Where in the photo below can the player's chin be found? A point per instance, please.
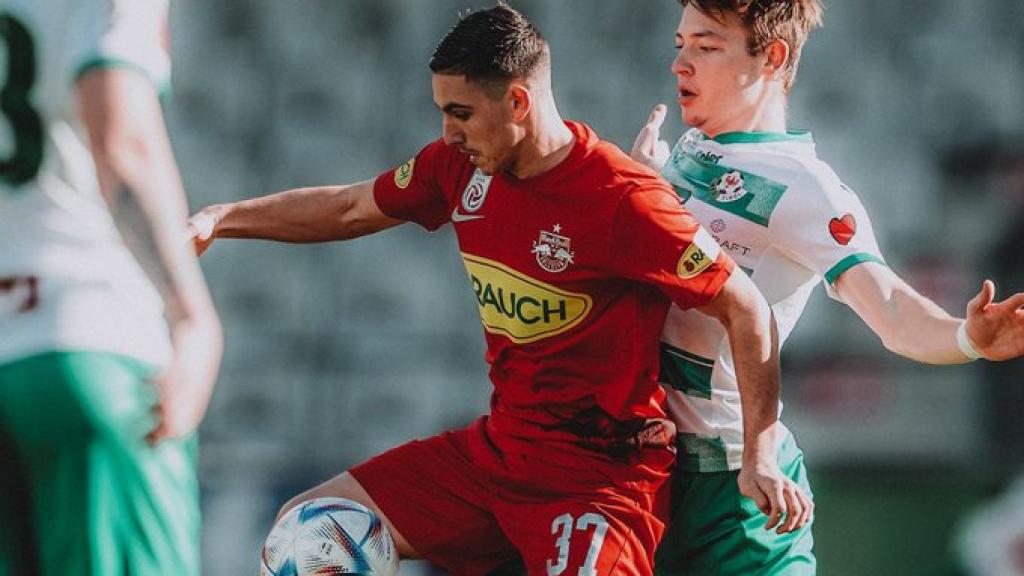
(489, 168)
(693, 118)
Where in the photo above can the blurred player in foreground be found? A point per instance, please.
(784, 216)
(574, 253)
(109, 337)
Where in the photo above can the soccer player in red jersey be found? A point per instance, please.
(574, 252)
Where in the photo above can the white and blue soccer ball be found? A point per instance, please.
(328, 537)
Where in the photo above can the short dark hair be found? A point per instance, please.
(490, 47)
(767, 21)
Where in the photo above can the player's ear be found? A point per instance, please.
(520, 101)
(776, 56)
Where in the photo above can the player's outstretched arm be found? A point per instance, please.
(753, 338)
(140, 182)
(303, 215)
(913, 326)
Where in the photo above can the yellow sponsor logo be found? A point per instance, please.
(403, 174)
(519, 307)
(693, 262)
(698, 256)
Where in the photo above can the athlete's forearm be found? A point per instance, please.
(917, 328)
(149, 221)
(754, 343)
(907, 323)
(139, 181)
(302, 215)
(149, 217)
(753, 339)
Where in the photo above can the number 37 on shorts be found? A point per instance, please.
(565, 527)
(589, 543)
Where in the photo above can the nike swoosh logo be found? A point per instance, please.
(459, 217)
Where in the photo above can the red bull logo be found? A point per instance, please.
(552, 250)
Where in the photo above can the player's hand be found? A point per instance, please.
(185, 385)
(649, 149)
(778, 497)
(996, 329)
(202, 228)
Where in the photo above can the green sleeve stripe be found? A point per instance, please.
(849, 262)
(101, 62)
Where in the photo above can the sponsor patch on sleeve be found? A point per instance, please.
(403, 174)
(698, 256)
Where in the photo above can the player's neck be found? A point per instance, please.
(547, 143)
(768, 115)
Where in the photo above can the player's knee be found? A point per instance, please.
(342, 486)
(287, 506)
(333, 533)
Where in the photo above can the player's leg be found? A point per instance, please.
(715, 530)
(433, 501)
(601, 532)
(105, 502)
(347, 487)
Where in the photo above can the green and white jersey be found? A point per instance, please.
(788, 221)
(66, 280)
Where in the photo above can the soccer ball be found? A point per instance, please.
(327, 537)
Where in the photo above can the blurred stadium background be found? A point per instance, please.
(337, 352)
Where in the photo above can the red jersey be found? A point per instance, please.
(573, 271)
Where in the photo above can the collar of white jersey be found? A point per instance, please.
(803, 136)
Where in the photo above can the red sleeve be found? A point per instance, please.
(655, 240)
(419, 190)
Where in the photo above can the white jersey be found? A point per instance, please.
(66, 280)
(787, 220)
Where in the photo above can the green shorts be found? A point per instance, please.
(714, 531)
(91, 497)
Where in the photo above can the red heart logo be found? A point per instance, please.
(843, 229)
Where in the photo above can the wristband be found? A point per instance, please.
(964, 343)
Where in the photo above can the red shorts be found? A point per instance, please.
(460, 504)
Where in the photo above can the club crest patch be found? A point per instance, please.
(476, 192)
(552, 250)
(729, 187)
(843, 229)
(403, 174)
